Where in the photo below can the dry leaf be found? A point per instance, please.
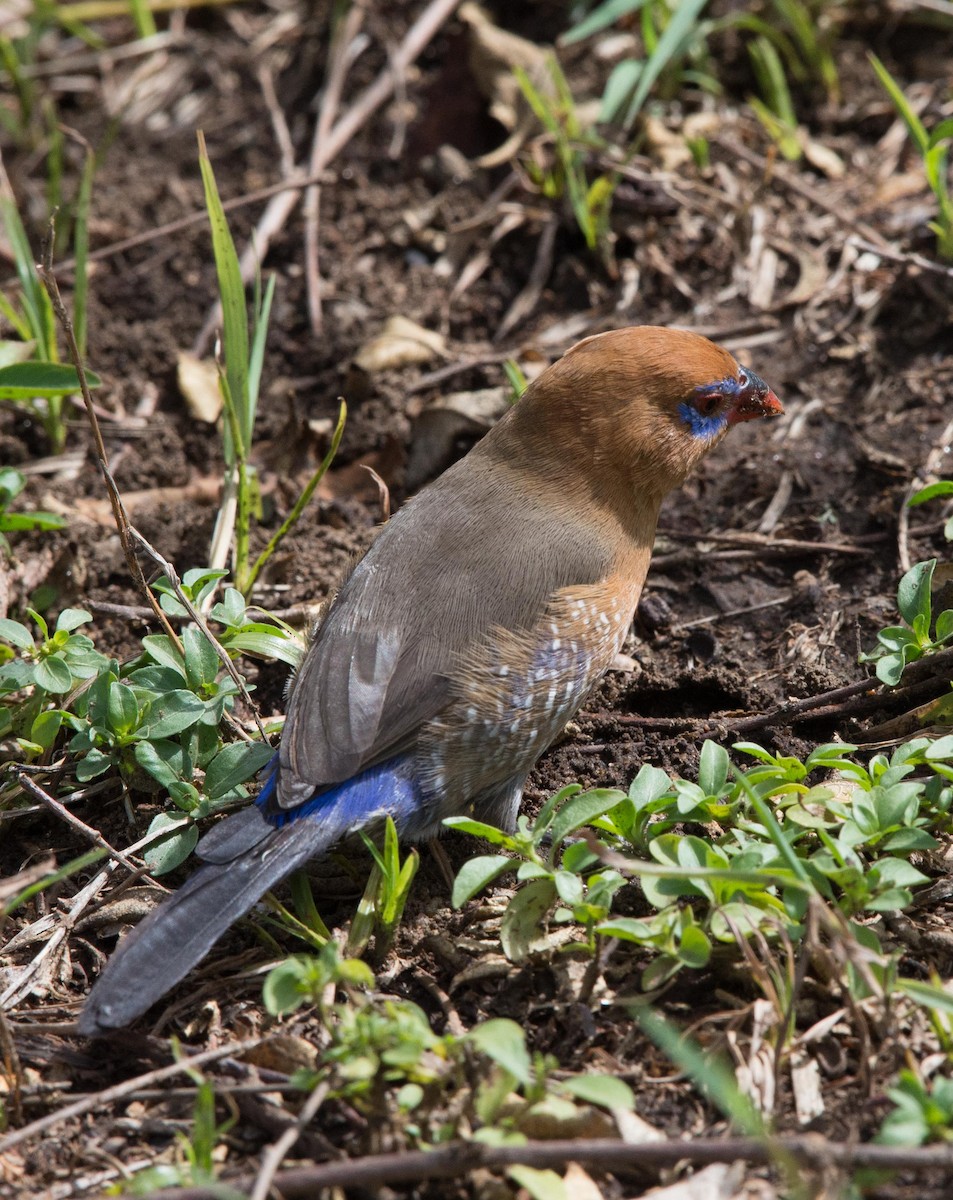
(720, 1181)
(198, 383)
(823, 158)
(580, 1184)
(400, 343)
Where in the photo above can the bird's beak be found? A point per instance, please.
(754, 402)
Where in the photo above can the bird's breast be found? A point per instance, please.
(512, 696)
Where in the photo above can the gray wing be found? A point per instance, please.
(453, 564)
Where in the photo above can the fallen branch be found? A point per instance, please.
(461, 1159)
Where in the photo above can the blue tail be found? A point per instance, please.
(244, 856)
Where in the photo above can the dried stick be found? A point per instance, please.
(460, 1159)
(91, 835)
(339, 57)
(273, 1156)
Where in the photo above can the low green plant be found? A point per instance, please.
(674, 38)
(154, 722)
(776, 110)
(923, 1111)
(197, 1147)
(921, 634)
(386, 894)
(933, 147)
(36, 670)
(943, 487)
(243, 349)
(567, 176)
(12, 483)
(782, 843)
(31, 374)
(384, 1058)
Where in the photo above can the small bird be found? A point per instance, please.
(472, 630)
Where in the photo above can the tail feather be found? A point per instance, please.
(164, 947)
(244, 856)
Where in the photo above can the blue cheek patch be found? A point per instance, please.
(702, 427)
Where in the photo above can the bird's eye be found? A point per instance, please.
(743, 379)
(709, 403)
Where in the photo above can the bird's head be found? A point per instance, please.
(640, 407)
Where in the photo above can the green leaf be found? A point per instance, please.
(913, 594)
(201, 660)
(539, 1184)
(122, 712)
(521, 927)
(71, 618)
(680, 27)
(649, 785)
(234, 313)
(16, 634)
(605, 1090)
(161, 648)
(281, 646)
(235, 764)
(93, 764)
(902, 105)
(42, 522)
(167, 854)
(283, 991)
(931, 491)
(172, 713)
(504, 1042)
(33, 380)
(477, 874)
(582, 809)
(478, 829)
(601, 17)
(694, 948)
(53, 675)
(712, 768)
(167, 762)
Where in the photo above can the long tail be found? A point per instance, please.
(244, 856)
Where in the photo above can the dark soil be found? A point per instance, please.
(856, 343)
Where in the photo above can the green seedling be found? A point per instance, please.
(943, 488)
(674, 37)
(567, 177)
(240, 381)
(923, 1111)
(31, 375)
(12, 483)
(776, 110)
(385, 896)
(933, 147)
(306, 978)
(920, 634)
(197, 1148)
(37, 671)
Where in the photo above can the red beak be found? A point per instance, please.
(755, 404)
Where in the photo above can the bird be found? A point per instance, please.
(475, 626)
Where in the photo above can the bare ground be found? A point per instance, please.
(775, 565)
